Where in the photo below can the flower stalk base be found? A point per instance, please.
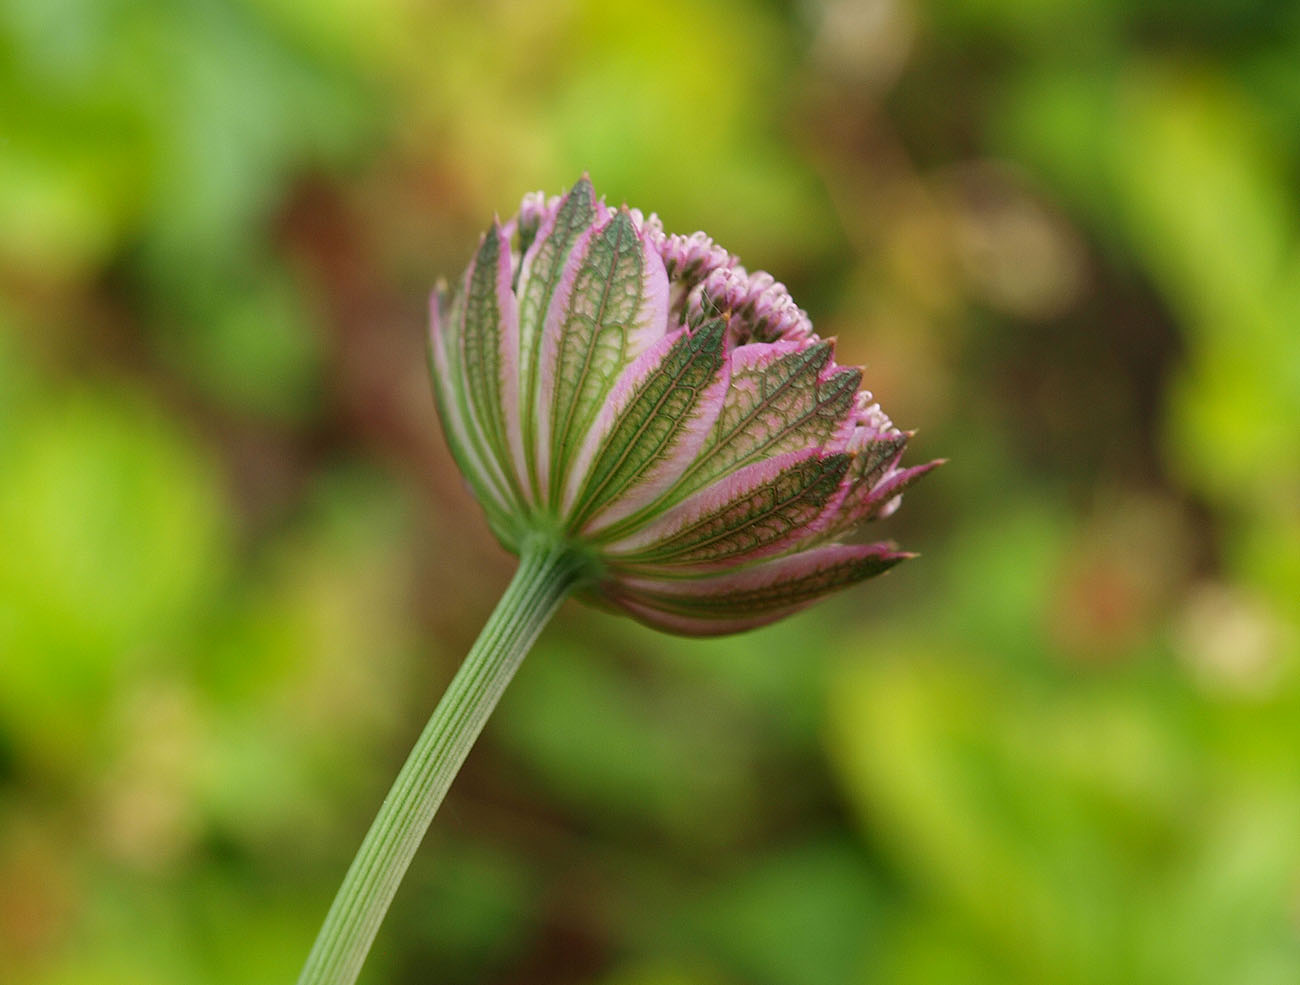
(547, 573)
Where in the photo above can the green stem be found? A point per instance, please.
(547, 573)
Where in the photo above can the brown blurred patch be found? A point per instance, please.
(1129, 563)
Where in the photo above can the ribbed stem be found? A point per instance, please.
(547, 572)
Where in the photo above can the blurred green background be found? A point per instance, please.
(237, 566)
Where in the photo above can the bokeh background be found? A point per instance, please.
(237, 566)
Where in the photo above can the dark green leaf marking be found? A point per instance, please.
(756, 519)
(546, 266)
(481, 344)
(655, 417)
(769, 410)
(593, 341)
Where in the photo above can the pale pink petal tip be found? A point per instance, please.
(536, 207)
(649, 226)
(437, 298)
(759, 307)
(692, 258)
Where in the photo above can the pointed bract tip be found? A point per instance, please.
(583, 187)
(436, 298)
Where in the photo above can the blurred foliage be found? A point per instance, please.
(237, 567)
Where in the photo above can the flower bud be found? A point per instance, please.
(671, 417)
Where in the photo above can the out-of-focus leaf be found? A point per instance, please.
(1032, 817)
(248, 339)
(621, 749)
(806, 915)
(305, 668)
(662, 973)
(114, 529)
(474, 908)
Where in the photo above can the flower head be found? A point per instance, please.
(672, 417)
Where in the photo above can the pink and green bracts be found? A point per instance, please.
(673, 419)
